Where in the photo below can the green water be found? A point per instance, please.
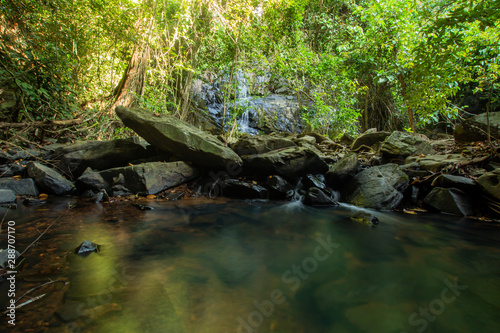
(236, 266)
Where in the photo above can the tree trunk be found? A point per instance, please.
(132, 82)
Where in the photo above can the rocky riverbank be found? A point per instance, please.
(379, 170)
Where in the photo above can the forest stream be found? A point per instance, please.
(220, 265)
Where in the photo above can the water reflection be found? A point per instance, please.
(218, 266)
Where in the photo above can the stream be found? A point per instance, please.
(218, 265)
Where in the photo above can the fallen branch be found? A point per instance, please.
(44, 123)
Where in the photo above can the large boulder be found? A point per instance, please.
(476, 128)
(101, 155)
(25, 186)
(402, 144)
(490, 183)
(378, 187)
(292, 161)
(49, 180)
(178, 137)
(449, 200)
(142, 179)
(249, 145)
(343, 171)
(369, 139)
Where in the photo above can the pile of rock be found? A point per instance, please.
(379, 170)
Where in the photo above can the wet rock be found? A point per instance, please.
(365, 218)
(142, 179)
(87, 247)
(402, 144)
(378, 187)
(490, 183)
(7, 196)
(33, 202)
(317, 197)
(235, 188)
(309, 181)
(249, 145)
(369, 139)
(279, 187)
(462, 183)
(291, 162)
(25, 186)
(143, 207)
(4, 257)
(175, 136)
(475, 128)
(436, 163)
(449, 200)
(343, 171)
(49, 180)
(102, 155)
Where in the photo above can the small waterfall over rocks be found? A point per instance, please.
(264, 111)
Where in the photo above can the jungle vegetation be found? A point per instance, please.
(390, 64)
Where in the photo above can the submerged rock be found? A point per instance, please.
(293, 161)
(449, 200)
(365, 218)
(378, 187)
(178, 137)
(142, 179)
(49, 180)
(87, 247)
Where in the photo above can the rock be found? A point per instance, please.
(142, 179)
(33, 202)
(280, 188)
(475, 128)
(249, 145)
(25, 186)
(436, 163)
(365, 218)
(4, 257)
(309, 181)
(317, 197)
(305, 139)
(102, 155)
(49, 180)
(234, 188)
(5, 157)
(449, 200)
(378, 187)
(12, 169)
(143, 207)
(346, 139)
(178, 137)
(490, 183)
(343, 171)
(87, 247)
(26, 154)
(462, 183)
(402, 144)
(369, 139)
(7, 196)
(291, 161)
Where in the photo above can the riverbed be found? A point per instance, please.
(219, 265)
